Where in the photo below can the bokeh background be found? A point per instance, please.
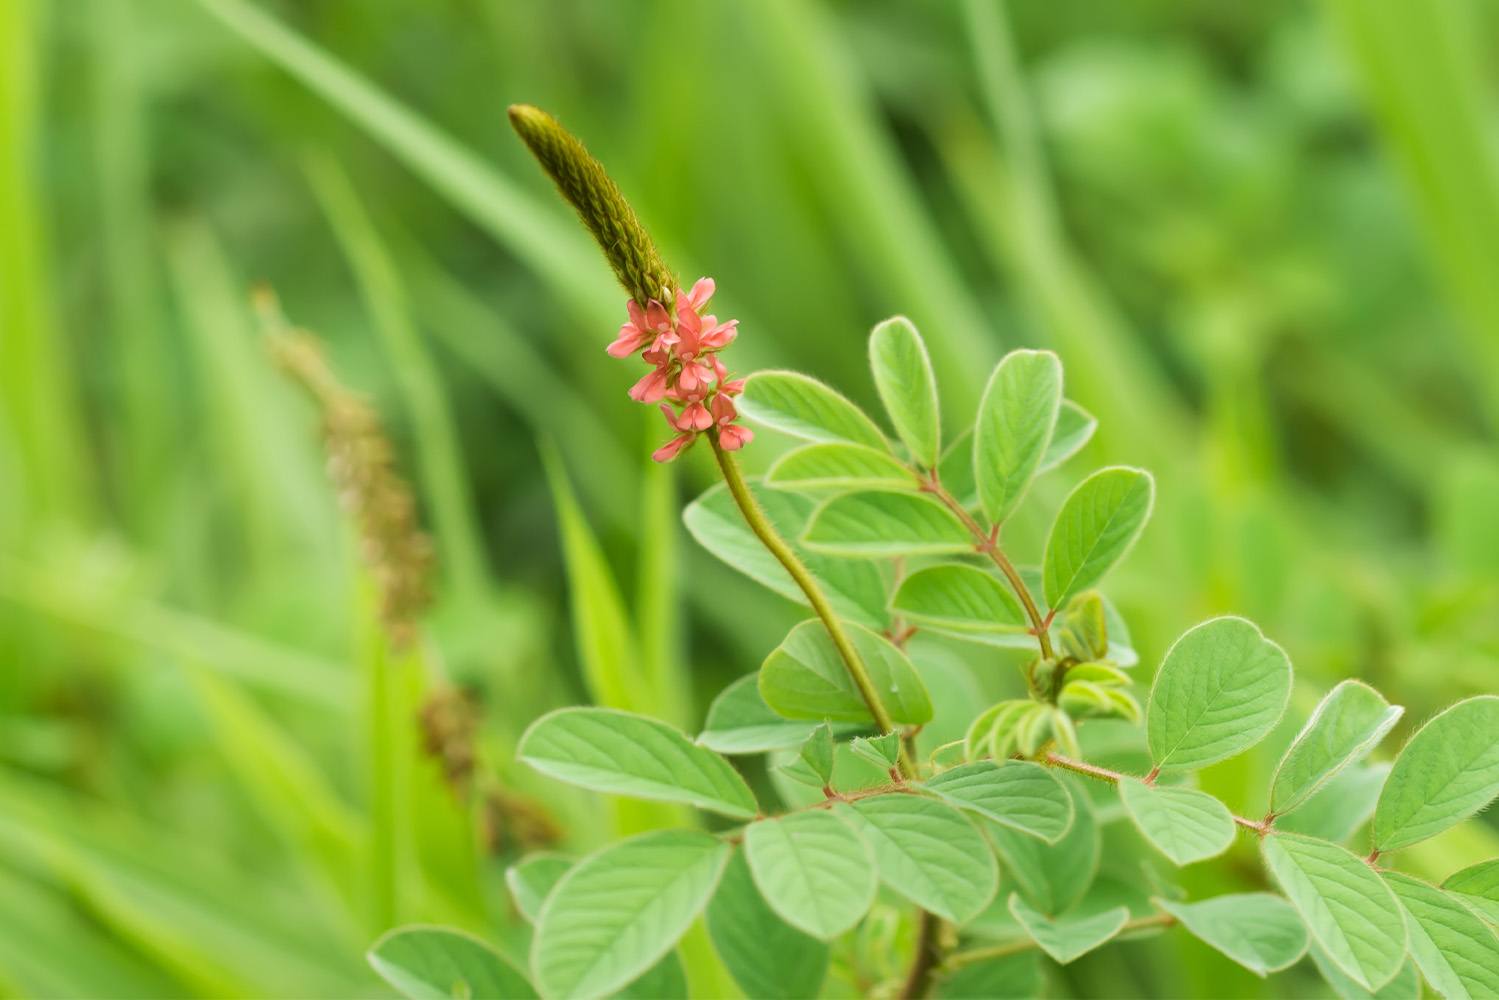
(1263, 238)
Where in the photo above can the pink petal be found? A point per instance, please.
(724, 410)
(733, 387)
(657, 318)
(628, 342)
(650, 388)
(702, 291)
(672, 448)
(637, 314)
(695, 417)
(734, 437)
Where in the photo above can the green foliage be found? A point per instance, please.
(817, 752)
(1454, 949)
(804, 678)
(1346, 726)
(1260, 931)
(739, 722)
(623, 754)
(1067, 939)
(885, 524)
(1447, 772)
(803, 407)
(1478, 886)
(908, 388)
(1015, 794)
(813, 869)
(435, 963)
(960, 598)
(1016, 418)
(1184, 824)
(928, 852)
(766, 956)
(1094, 529)
(838, 468)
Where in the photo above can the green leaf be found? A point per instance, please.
(1455, 950)
(623, 754)
(1096, 526)
(817, 752)
(766, 956)
(438, 963)
(1052, 877)
(1067, 939)
(1339, 807)
(1406, 984)
(813, 869)
(903, 376)
(805, 678)
(881, 751)
(1017, 794)
(1184, 824)
(666, 980)
(1074, 429)
(1015, 421)
(839, 468)
(885, 524)
(1446, 773)
(958, 597)
(621, 909)
(1221, 688)
(1083, 630)
(855, 588)
(1009, 977)
(1478, 886)
(739, 722)
(533, 878)
(1349, 910)
(1258, 930)
(803, 407)
(1346, 726)
(928, 852)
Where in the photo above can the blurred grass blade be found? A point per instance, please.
(443, 472)
(658, 600)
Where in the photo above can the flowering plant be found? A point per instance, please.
(923, 842)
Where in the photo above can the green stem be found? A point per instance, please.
(1018, 945)
(776, 545)
(1114, 777)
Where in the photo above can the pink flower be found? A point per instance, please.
(672, 448)
(734, 437)
(702, 291)
(652, 387)
(645, 325)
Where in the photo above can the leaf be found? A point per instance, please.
(817, 752)
(1221, 688)
(437, 963)
(766, 956)
(805, 678)
(1069, 938)
(1346, 726)
(854, 587)
(739, 722)
(1018, 794)
(885, 524)
(1406, 985)
(928, 852)
(1052, 877)
(533, 878)
(958, 597)
(1258, 930)
(1074, 429)
(839, 468)
(611, 751)
(621, 909)
(1447, 772)
(1349, 910)
(1478, 886)
(1016, 417)
(881, 751)
(803, 407)
(666, 980)
(1339, 807)
(1455, 950)
(1096, 526)
(1009, 977)
(1184, 824)
(903, 376)
(813, 869)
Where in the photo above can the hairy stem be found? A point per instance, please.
(1018, 945)
(988, 543)
(926, 960)
(1114, 777)
(776, 545)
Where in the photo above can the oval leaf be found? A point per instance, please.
(805, 678)
(533, 879)
(437, 963)
(1258, 930)
(803, 407)
(1406, 985)
(1075, 427)
(839, 468)
(1478, 886)
(1349, 910)
(1017, 794)
(813, 869)
(1067, 939)
(1016, 417)
(766, 956)
(886, 524)
(624, 754)
(1346, 726)
(1221, 688)
(1455, 950)
(854, 587)
(903, 376)
(739, 722)
(958, 597)
(1184, 824)
(1340, 807)
(1446, 773)
(1096, 526)
(928, 852)
(1052, 877)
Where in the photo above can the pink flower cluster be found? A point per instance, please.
(686, 377)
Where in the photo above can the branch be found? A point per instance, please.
(1014, 947)
(1114, 777)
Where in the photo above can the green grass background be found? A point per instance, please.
(1262, 237)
